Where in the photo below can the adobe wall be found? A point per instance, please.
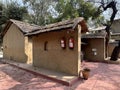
(95, 49)
(14, 45)
(56, 58)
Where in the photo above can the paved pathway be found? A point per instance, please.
(102, 77)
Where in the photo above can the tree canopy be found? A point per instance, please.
(40, 13)
(11, 10)
(15, 11)
(38, 10)
(75, 8)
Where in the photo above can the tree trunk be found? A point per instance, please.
(115, 53)
(106, 47)
(107, 39)
(111, 5)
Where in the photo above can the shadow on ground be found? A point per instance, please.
(102, 77)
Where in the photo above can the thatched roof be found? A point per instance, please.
(63, 25)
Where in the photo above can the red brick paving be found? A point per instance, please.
(102, 77)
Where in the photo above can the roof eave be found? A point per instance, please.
(32, 34)
(7, 26)
(76, 22)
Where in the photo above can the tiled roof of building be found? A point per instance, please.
(29, 29)
(25, 27)
(61, 26)
(94, 35)
(97, 29)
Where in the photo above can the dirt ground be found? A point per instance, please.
(102, 77)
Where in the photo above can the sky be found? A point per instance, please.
(108, 12)
(7, 1)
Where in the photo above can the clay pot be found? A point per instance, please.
(85, 73)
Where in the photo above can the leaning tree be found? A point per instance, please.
(103, 6)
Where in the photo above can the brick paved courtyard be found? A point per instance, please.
(102, 77)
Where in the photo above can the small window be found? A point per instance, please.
(46, 46)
